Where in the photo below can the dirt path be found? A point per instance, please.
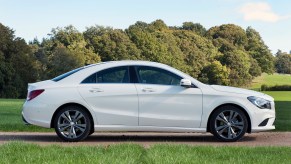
(148, 139)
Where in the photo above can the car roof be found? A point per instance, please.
(129, 62)
(92, 68)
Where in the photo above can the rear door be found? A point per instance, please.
(112, 97)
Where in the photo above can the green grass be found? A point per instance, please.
(10, 117)
(270, 80)
(19, 152)
(283, 109)
(282, 98)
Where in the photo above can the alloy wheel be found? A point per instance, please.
(72, 124)
(229, 124)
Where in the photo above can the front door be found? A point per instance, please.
(164, 103)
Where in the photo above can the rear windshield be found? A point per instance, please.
(58, 78)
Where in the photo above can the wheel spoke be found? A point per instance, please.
(230, 116)
(221, 117)
(78, 116)
(82, 127)
(233, 134)
(63, 127)
(220, 127)
(234, 116)
(229, 134)
(222, 130)
(72, 133)
(238, 125)
(68, 115)
(65, 117)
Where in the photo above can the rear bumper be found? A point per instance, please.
(36, 114)
(24, 121)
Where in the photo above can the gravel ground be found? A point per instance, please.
(148, 139)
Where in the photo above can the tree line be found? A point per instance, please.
(225, 54)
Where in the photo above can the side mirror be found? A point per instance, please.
(185, 83)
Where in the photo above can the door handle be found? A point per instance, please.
(95, 90)
(148, 90)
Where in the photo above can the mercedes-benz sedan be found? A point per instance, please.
(143, 96)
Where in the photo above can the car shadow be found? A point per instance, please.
(122, 137)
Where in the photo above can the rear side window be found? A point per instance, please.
(58, 78)
(111, 75)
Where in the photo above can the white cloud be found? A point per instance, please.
(260, 11)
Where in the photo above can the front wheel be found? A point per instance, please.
(72, 124)
(228, 123)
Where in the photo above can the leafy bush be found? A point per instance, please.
(265, 87)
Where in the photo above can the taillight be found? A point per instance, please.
(33, 94)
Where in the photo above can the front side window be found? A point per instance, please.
(152, 75)
(111, 75)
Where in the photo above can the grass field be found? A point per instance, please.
(283, 109)
(10, 114)
(10, 117)
(282, 98)
(270, 80)
(18, 152)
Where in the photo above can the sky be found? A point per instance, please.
(36, 18)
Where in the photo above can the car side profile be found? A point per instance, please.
(143, 96)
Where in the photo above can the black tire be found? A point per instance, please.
(72, 124)
(228, 123)
(91, 132)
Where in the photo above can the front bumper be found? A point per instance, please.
(269, 126)
(263, 119)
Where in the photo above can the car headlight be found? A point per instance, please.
(260, 102)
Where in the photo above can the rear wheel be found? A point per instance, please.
(91, 132)
(228, 123)
(72, 124)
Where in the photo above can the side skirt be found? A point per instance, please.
(146, 129)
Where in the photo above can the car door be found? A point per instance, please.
(163, 102)
(111, 96)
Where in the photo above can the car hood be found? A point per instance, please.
(241, 91)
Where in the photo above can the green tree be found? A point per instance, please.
(283, 62)
(156, 43)
(239, 63)
(225, 54)
(57, 65)
(216, 73)
(259, 51)
(195, 27)
(234, 34)
(255, 69)
(111, 44)
(65, 49)
(74, 41)
(17, 65)
(198, 51)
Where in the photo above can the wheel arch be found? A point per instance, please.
(72, 104)
(249, 129)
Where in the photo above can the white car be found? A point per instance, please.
(143, 96)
